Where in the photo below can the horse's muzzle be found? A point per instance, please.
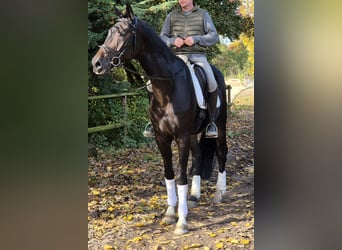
(98, 68)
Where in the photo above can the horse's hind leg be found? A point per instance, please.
(196, 179)
(221, 153)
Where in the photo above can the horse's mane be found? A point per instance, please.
(156, 41)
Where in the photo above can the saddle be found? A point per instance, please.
(200, 85)
(201, 91)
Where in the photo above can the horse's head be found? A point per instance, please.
(119, 45)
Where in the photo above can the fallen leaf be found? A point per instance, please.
(129, 217)
(244, 241)
(96, 192)
(233, 241)
(211, 234)
(219, 245)
(136, 239)
(108, 247)
(140, 224)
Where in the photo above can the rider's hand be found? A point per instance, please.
(179, 42)
(189, 41)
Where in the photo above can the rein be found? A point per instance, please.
(154, 77)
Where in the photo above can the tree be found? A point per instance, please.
(246, 10)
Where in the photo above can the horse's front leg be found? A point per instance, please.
(182, 184)
(164, 146)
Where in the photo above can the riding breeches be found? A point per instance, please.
(201, 60)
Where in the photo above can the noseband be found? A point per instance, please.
(115, 60)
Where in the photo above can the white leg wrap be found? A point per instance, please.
(182, 205)
(221, 182)
(171, 192)
(196, 186)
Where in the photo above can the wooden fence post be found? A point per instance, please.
(229, 87)
(124, 105)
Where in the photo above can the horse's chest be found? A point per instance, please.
(166, 118)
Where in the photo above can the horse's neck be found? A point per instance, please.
(156, 65)
(154, 57)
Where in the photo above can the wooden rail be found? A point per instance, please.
(123, 123)
(126, 123)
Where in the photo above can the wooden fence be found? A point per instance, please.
(125, 122)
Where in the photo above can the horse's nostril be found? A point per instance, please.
(97, 64)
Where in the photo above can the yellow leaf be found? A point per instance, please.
(140, 224)
(130, 172)
(110, 209)
(233, 241)
(107, 247)
(211, 234)
(206, 248)
(162, 223)
(136, 239)
(219, 245)
(244, 241)
(196, 245)
(248, 224)
(233, 223)
(129, 217)
(96, 192)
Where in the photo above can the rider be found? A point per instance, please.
(188, 31)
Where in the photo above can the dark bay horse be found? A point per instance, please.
(173, 110)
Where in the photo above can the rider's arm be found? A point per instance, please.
(211, 37)
(165, 32)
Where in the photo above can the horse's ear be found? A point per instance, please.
(129, 12)
(118, 12)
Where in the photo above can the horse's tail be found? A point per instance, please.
(208, 148)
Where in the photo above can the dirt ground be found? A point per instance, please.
(127, 198)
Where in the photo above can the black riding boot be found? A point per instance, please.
(211, 130)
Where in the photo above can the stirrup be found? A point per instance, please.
(211, 134)
(149, 131)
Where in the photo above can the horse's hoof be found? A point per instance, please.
(192, 202)
(218, 197)
(168, 219)
(181, 228)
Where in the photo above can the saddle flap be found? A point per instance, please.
(198, 89)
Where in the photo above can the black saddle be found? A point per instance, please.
(202, 79)
(202, 118)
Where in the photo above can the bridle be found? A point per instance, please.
(115, 56)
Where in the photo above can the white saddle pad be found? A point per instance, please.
(198, 91)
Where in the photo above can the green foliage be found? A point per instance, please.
(232, 61)
(223, 14)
